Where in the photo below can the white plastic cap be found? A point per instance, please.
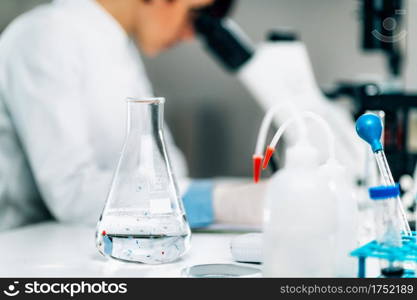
(332, 168)
(302, 154)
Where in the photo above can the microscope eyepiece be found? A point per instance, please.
(223, 38)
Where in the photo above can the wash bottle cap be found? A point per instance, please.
(302, 154)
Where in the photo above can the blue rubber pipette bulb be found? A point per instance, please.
(369, 128)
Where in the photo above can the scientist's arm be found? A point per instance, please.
(48, 111)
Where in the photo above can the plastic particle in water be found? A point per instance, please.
(163, 252)
(103, 232)
(108, 245)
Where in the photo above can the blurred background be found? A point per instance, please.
(213, 118)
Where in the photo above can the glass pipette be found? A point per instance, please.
(369, 128)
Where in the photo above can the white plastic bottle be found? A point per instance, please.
(300, 219)
(347, 217)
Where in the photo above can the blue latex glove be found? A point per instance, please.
(198, 203)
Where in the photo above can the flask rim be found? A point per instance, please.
(146, 100)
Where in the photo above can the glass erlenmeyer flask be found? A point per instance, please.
(143, 219)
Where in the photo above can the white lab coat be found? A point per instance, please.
(65, 70)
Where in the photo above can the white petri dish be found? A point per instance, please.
(221, 271)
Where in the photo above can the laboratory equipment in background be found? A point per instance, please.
(383, 30)
(278, 71)
(143, 219)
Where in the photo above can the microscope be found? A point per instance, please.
(382, 30)
(254, 67)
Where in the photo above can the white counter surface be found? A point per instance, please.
(61, 250)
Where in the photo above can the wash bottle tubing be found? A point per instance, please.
(258, 157)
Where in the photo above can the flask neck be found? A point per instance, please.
(145, 116)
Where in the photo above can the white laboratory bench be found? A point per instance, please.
(60, 250)
(53, 249)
